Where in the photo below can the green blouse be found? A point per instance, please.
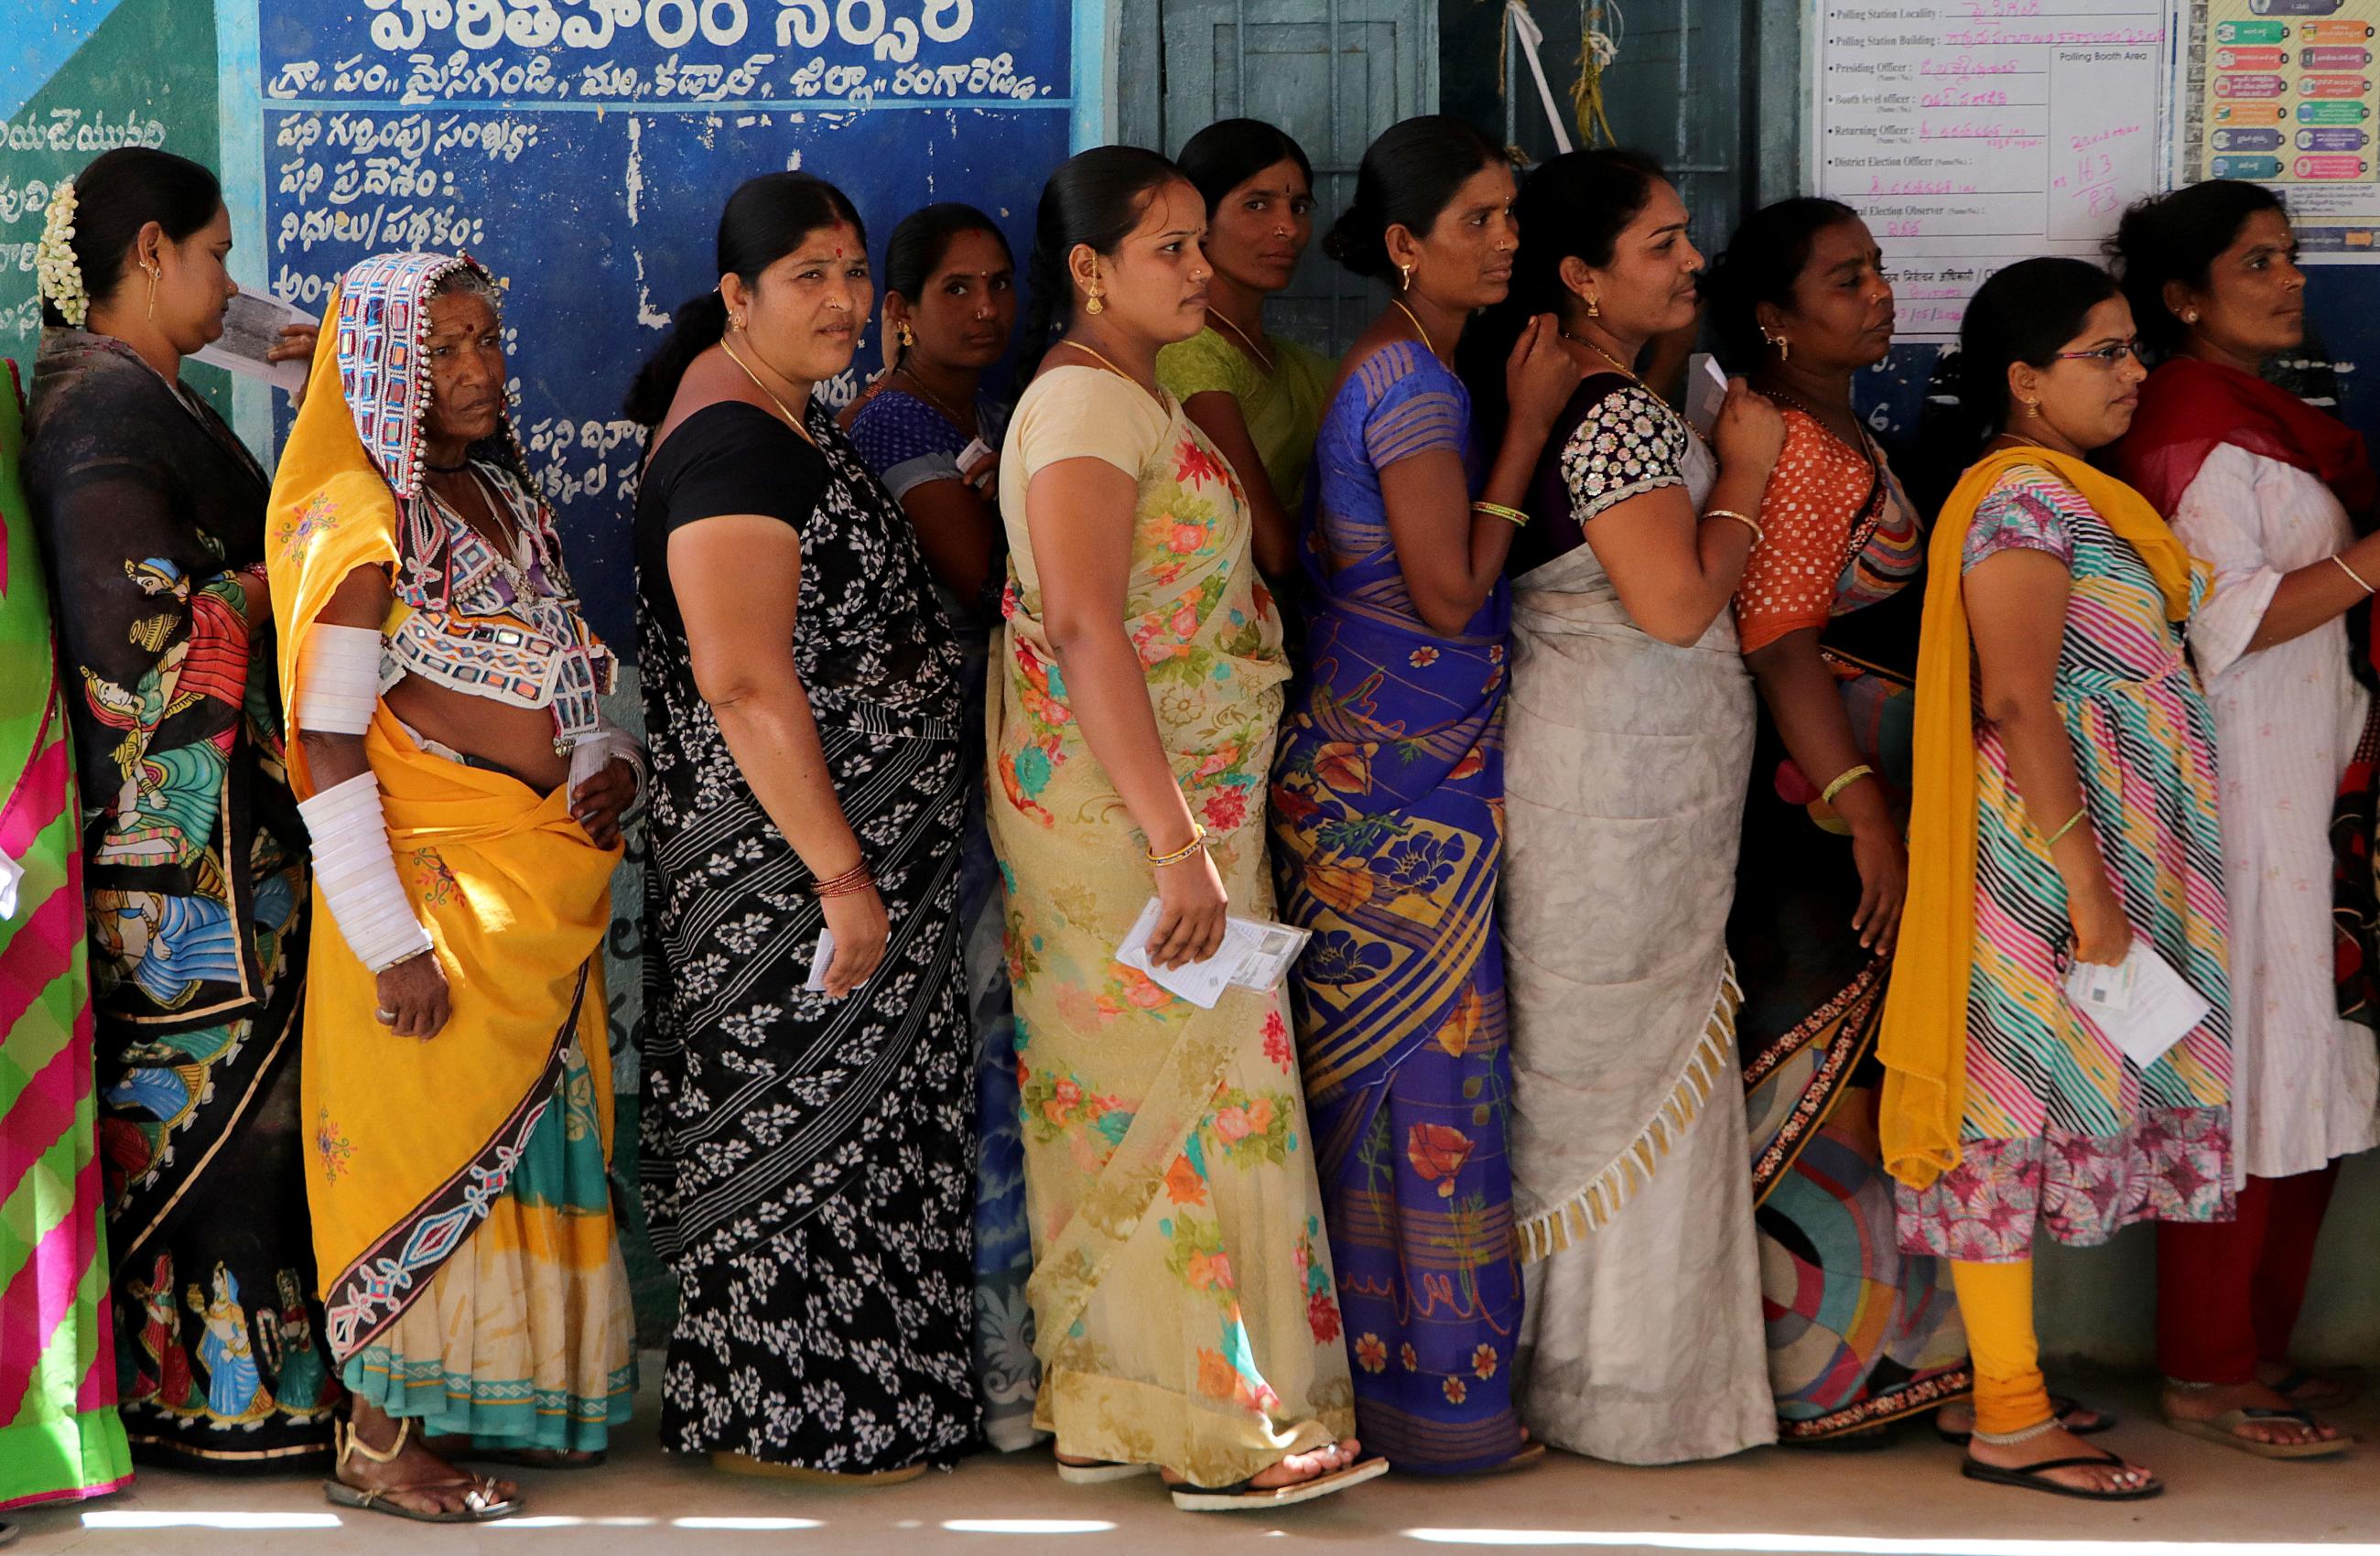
(1282, 409)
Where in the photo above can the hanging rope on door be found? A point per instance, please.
(1597, 49)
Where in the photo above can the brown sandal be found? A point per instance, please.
(375, 1499)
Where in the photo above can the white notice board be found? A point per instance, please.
(1974, 133)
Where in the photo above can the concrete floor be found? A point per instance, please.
(1907, 1497)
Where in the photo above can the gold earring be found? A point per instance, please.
(2032, 408)
(150, 266)
(1594, 309)
(1097, 301)
(906, 338)
(2189, 316)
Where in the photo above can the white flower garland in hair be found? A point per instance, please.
(56, 272)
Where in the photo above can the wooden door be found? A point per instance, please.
(1334, 73)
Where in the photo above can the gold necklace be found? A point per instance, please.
(1113, 368)
(1419, 328)
(933, 399)
(1255, 350)
(1621, 367)
(791, 420)
(1798, 403)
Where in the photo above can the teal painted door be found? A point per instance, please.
(1334, 73)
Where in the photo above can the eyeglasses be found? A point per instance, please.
(2107, 355)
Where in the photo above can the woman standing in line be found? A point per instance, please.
(1859, 1333)
(2063, 807)
(1388, 805)
(1184, 1310)
(808, 1151)
(2270, 491)
(1631, 725)
(1258, 397)
(62, 1440)
(464, 829)
(950, 304)
(152, 517)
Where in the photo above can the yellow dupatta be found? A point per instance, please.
(1923, 1041)
(409, 1142)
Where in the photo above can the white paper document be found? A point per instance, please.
(1706, 392)
(252, 326)
(820, 962)
(2140, 1004)
(1255, 955)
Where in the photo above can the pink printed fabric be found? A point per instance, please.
(2172, 1165)
(2060, 1128)
(60, 1437)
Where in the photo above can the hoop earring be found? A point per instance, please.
(150, 266)
(906, 338)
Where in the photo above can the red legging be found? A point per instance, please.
(2228, 1292)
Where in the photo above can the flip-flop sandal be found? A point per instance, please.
(2035, 1477)
(2060, 1405)
(1244, 1496)
(1101, 1472)
(1530, 1453)
(2225, 1430)
(341, 1494)
(2345, 1384)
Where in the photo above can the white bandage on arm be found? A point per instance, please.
(338, 679)
(357, 874)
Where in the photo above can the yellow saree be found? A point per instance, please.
(420, 1151)
(1184, 1308)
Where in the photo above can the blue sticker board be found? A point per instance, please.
(582, 150)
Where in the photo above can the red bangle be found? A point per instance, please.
(856, 878)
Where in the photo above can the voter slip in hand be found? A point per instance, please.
(252, 326)
(2141, 1004)
(1255, 955)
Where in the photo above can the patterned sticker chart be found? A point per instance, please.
(2290, 90)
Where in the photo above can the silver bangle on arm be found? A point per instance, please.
(357, 874)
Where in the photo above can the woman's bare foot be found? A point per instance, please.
(1295, 1468)
(414, 1478)
(2059, 1444)
(1325, 1461)
(2205, 1405)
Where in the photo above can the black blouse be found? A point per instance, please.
(872, 648)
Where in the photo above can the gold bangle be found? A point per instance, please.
(1749, 522)
(1198, 843)
(1510, 515)
(2072, 822)
(2351, 572)
(1844, 780)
